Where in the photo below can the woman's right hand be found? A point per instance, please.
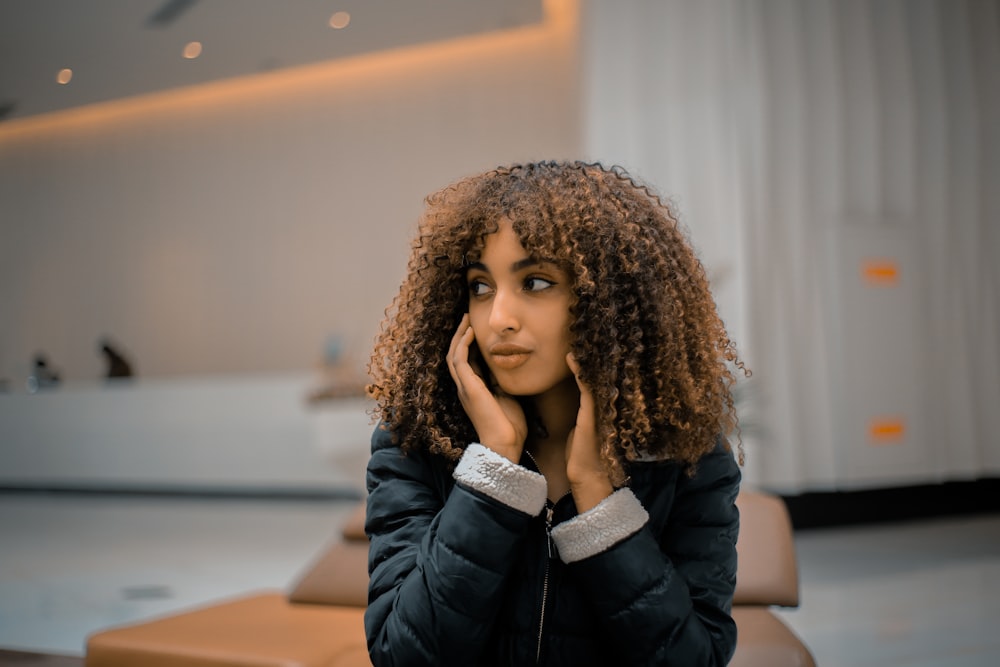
(497, 417)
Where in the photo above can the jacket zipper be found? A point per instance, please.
(545, 580)
(552, 554)
(550, 509)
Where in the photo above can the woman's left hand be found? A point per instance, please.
(588, 478)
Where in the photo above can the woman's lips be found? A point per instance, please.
(508, 356)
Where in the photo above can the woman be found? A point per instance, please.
(551, 481)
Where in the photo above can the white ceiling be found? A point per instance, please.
(117, 49)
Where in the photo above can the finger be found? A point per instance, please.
(585, 417)
(583, 451)
(466, 378)
(458, 351)
(574, 366)
(485, 374)
(456, 339)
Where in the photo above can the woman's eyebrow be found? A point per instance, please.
(519, 265)
(522, 264)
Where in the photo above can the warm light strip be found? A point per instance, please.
(559, 18)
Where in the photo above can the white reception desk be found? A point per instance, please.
(246, 434)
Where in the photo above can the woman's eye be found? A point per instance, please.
(537, 284)
(478, 288)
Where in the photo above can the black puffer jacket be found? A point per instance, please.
(461, 577)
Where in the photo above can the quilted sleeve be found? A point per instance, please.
(439, 558)
(666, 598)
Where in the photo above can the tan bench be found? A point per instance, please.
(319, 623)
(767, 576)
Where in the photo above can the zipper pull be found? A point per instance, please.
(553, 553)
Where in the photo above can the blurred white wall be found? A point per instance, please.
(838, 165)
(233, 227)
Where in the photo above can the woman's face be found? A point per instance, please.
(519, 310)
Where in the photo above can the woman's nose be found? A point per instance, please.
(503, 313)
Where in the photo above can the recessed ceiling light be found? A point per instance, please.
(64, 76)
(340, 20)
(192, 50)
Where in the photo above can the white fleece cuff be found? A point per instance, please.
(497, 477)
(616, 517)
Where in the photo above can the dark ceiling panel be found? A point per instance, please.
(114, 52)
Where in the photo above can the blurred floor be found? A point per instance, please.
(70, 565)
(918, 593)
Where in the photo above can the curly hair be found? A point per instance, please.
(645, 329)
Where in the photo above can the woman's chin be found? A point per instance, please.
(514, 386)
(521, 387)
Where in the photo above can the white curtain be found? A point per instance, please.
(791, 134)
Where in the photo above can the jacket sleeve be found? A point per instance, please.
(438, 560)
(663, 598)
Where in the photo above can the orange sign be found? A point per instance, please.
(886, 430)
(880, 272)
